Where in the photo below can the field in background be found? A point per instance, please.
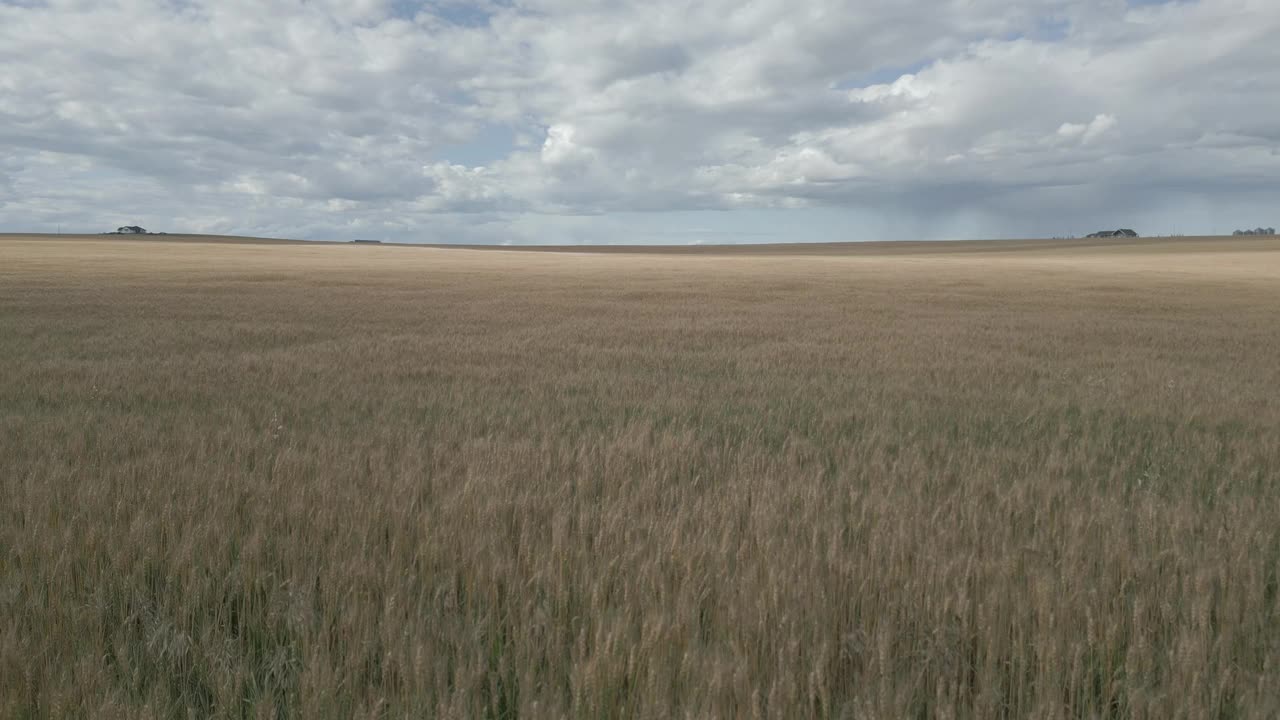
(968, 481)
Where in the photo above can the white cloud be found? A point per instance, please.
(310, 118)
(1087, 132)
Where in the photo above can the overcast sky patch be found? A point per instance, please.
(558, 121)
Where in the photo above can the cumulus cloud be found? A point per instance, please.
(543, 119)
(1087, 132)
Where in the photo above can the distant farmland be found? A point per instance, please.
(932, 480)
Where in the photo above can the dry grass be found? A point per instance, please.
(331, 481)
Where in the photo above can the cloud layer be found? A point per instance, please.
(581, 121)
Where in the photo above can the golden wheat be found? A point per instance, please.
(957, 481)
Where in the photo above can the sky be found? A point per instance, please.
(664, 121)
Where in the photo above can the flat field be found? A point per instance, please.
(885, 481)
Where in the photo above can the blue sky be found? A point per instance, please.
(575, 121)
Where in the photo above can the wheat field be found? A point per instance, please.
(1026, 480)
